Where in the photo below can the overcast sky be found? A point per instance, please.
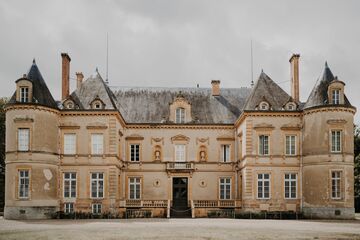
(182, 43)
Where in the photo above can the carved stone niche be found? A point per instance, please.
(157, 154)
(202, 154)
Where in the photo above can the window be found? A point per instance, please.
(96, 208)
(336, 141)
(24, 94)
(23, 139)
(97, 143)
(97, 185)
(225, 188)
(24, 183)
(336, 184)
(180, 115)
(70, 105)
(69, 185)
(179, 153)
(263, 145)
(336, 96)
(290, 145)
(263, 186)
(70, 143)
(290, 185)
(97, 106)
(134, 188)
(69, 208)
(225, 153)
(264, 106)
(135, 152)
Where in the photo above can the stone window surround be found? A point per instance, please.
(17, 192)
(128, 186)
(231, 187)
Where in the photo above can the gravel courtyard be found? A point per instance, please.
(179, 229)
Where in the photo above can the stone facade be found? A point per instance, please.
(270, 152)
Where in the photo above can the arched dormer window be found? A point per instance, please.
(180, 115)
(263, 106)
(97, 104)
(290, 106)
(69, 104)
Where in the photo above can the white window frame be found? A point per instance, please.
(24, 94)
(180, 115)
(336, 141)
(225, 188)
(97, 184)
(261, 188)
(336, 177)
(96, 208)
(335, 96)
(180, 152)
(97, 143)
(134, 188)
(135, 157)
(68, 207)
(290, 145)
(290, 183)
(24, 184)
(69, 184)
(225, 153)
(70, 143)
(23, 139)
(264, 145)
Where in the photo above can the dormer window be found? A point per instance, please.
(290, 106)
(180, 115)
(336, 96)
(24, 94)
(264, 106)
(97, 103)
(97, 106)
(70, 105)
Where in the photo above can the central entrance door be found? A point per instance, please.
(180, 198)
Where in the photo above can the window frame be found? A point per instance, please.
(68, 207)
(71, 179)
(261, 145)
(180, 115)
(225, 153)
(97, 207)
(289, 153)
(99, 187)
(131, 145)
(136, 182)
(97, 152)
(292, 184)
(338, 187)
(65, 135)
(24, 95)
(19, 140)
(335, 95)
(27, 184)
(225, 193)
(336, 147)
(263, 180)
(176, 150)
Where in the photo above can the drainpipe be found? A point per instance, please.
(301, 164)
(236, 159)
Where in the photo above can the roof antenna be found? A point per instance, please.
(252, 68)
(107, 59)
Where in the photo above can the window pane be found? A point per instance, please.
(69, 143)
(23, 139)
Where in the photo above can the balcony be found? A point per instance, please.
(180, 166)
(216, 203)
(146, 203)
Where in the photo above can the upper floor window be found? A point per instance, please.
(180, 152)
(69, 143)
(225, 188)
(225, 153)
(336, 141)
(336, 184)
(97, 143)
(134, 188)
(135, 152)
(97, 185)
(24, 183)
(69, 185)
(263, 186)
(290, 145)
(263, 145)
(23, 139)
(264, 106)
(24, 94)
(180, 115)
(336, 96)
(290, 185)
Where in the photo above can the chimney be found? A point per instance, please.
(65, 75)
(294, 71)
(79, 79)
(215, 87)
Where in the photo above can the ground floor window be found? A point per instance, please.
(24, 183)
(263, 186)
(69, 207)
(97, 185)
(225, 188)
(134, 188)
(290, 185)
(96, 208)
(336, 184)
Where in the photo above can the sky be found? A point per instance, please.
(173, 43)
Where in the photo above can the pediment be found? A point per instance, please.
(264, 126)
(97, 125)
(180, 137)
(134, 137)
(291, 127)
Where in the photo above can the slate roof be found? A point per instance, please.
(265, 89)
(318, 95)
(41, 93)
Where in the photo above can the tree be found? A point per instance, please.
(357, 162)
(3, 102)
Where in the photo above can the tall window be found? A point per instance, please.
(290, 145)
(263, 145)
(180, 152)
(134, 188)
(336, 96)
(180, 115)
(135, 152)
(263, 186)
(336, 184)
(96, 208)
(97, 185)
(97, 143)
(225, 188)
(69, 207)
(290, 185)
(69, 143)
(24, 183)
(336, 141)
(69, 185)
(225, 153)
(23, 139)
(24, 94)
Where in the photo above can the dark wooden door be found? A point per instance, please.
(180, 192)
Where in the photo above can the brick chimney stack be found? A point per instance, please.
(79, 79)
(65, 75)
(294, 71)
(215, 87)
